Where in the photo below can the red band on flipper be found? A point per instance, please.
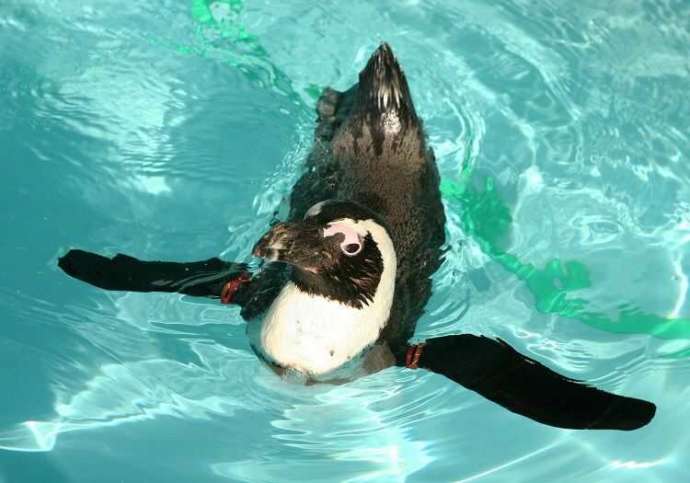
(414, 352)
(232, 286)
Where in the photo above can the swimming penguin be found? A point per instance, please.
(346, 276)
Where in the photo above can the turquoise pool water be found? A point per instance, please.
(173, 129)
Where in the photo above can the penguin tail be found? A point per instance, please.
(382, 91)
(376, 116)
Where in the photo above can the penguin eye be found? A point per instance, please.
(351, 249)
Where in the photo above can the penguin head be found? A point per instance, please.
(340, 250)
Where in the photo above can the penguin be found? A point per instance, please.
(347, 274)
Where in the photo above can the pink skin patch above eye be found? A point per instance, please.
(351, 236)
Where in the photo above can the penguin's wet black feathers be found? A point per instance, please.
(370, 157)
(361, 154)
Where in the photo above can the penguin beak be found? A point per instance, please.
(299, 244)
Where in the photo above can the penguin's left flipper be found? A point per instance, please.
(208, 278)
(524, 386)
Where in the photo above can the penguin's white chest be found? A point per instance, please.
(316, 335)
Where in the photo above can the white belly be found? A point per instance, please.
(316, 335)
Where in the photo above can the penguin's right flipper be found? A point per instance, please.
(206, 278)
(524, 386)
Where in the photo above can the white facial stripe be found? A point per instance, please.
(345, 229)
(314, 210)
(359, 227)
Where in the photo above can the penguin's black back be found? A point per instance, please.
(370, 148)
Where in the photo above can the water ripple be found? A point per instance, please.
(178, 133)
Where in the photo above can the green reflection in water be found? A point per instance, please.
(220, 35)
(226, 26)
(487, 219)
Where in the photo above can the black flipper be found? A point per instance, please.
(122, 272)
(524, 386)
